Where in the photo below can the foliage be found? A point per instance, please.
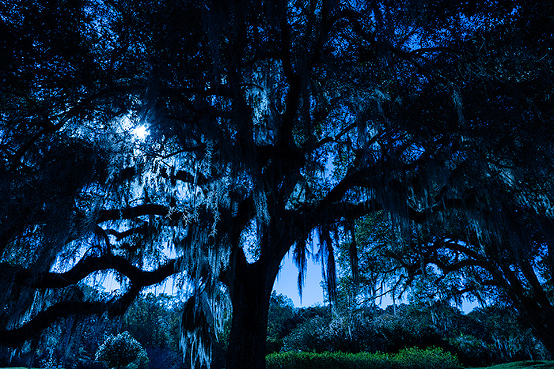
(284, 319)
(507, 334)
(122, 351)
(411, 358)
(425, 359)
(370, 330)
(312, 335)
(472, 350)
(477, 339)
(271, 124)
(281, 311)
(153, 320)
(428, 270)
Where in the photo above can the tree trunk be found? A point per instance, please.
(546, 335)
(250, 294)
(542, 325)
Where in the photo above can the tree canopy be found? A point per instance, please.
(270, 124)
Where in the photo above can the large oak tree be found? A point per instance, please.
(271, 123)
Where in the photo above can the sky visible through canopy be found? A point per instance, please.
(287, 280)
(286, 284)
(312, 292)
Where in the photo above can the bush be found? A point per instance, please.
(471, 350)
(336, 360)
(430, 358)
(273, 345)
(412, 358)
(312, 335)
(122, 351)
(385, 333)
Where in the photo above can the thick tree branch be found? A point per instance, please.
(91, 264)
(88, 265)
(17, 336)
(137, 211)
(42, 320)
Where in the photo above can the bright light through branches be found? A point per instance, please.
(140, 132)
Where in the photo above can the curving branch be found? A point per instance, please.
(91, 264)
(137, 211)
(42, 320)
(114, 307)
(17, 336)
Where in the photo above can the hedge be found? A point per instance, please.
(411, 358)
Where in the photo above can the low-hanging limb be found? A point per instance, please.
(17, 336)
(91, 264)
(116, 306)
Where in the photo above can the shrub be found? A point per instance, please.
(471, 350)
(273, 345)
(430, 358)
(335, 360)
(122, 351)
(412, 358)
(384, 333)
(312, 335)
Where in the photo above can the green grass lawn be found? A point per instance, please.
(523, 365)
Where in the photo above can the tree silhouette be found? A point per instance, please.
(270, 124)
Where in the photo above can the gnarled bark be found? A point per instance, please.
(250, 290)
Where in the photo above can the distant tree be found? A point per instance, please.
(280, 321)
(281, 310)
(508, 334)
(430, 265)
(369, 330)
(154, 321)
